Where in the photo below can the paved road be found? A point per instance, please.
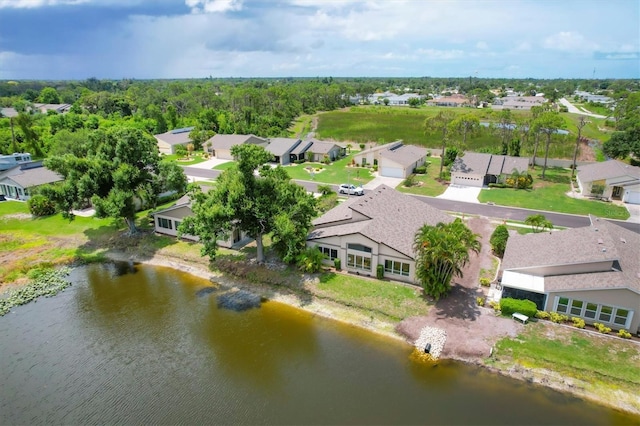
(499, 212)
(574, 110)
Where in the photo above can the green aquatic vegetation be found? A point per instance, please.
(45, 283)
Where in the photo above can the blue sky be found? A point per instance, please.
(78, 39)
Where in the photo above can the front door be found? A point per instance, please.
(617, 192)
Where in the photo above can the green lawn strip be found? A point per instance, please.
(427, 183)
(335, 173)
(391, 299)
(574, 353)
(301, 126)
(551, 195)
(225, 166)
(195, 159)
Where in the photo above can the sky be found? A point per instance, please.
(144, 39)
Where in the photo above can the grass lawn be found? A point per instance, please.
(608, 363)
(427, 183)
(335, 173)
(225, 166)
(550, 195)
(301, 126)
(388, 298)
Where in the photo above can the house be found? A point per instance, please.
(455, 100)
(167, 221)
(168, 141)
(591, 272)
(620, 181)
(10, 161)
(19, 181)
(45, 108)
(375, 229)
(319, 150)
(523, 103)
(372, 155)
(281, 149)
(479, 169)
(401, 161)
(220, 145)
(8, 112)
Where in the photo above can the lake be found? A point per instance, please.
(136, 344)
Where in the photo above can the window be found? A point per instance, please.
(621, 317)
(359, 262)
(563, 305)
(590, 311)
(164, 223)
(576, 307)
(329, 252)
(359, 247)
(397, 268)
(176, 224)
(605, 313)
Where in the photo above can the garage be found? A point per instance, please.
(632, 197)
(467, 180)
(392, 172)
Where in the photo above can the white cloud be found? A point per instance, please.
(440, 54)
(214, 6)
(568, 41)
(30, 4)
(481, 45)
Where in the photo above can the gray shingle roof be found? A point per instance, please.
(282, 146)
(404, 155)
(383, 215)
(175, 136)
(320, 147)
(601, 241)
(220, 141)
(8, 112)
(31, 177)
(607, 170)
(483, 164)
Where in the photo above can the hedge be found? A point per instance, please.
(509, 306)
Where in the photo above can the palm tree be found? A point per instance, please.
(538, 222)
(442, 252)
(440, 123)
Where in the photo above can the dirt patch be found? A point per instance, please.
(586, 152)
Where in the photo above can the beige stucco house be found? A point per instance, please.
(375, 229)
(401, 161)
(479, 169)
(591, 272)
(220, 145)
(168, 141)
(621, 181)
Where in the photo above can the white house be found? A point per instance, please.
(375, 229)
(168, 141)
(19, 181)
(479, 169)
(401, 161)
(621, 181)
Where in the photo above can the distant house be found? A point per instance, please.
(401, 161)
(319, 149)
(282, 148)
(455, 100)
(10, 161)
(19, 181)
(518, 102)
(168, 141)
(220, 145)
(59, 108)
(479, 169)
(8, 112)
(167, 221)
(592, 273)
(375, 229)
(620, 181)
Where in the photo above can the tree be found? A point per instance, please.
(536, 111)
(538, 222)
(116, 167)
(181, 151)
(505, 127)
(582, 121)
(621, 144)
(440, 123)
(466, 125)
(442, 251)
(548, 123)
(258, 205)
(49, 95)
(499, 239)
(31, 137)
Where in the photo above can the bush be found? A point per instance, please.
(39, 205)
(310, 260)
(410, 181)
(485, 282)
(380, 272)
(602, 328)
(543, 315)
(624, 334)
(509, 306)
(495, 305)
(337, 264)
(420, 170)
(558, 318)
(577, 322)
(480, 301)
(499, 239)
(375, 167)
(498, 185)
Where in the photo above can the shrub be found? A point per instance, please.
(337, 264)
(485, 282)
(380, 272)
(310, 260)
(410, 181)
(577, 322)
(602, 328)
(558, 318)
(495, 305)
(499, 239)
(480, 301)
(543, 315)
(498, 185)
(509, 306)
(39, 205)
(420, 170)
(624, 334)
(375, 167)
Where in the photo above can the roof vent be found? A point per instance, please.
(595, 229)
(623, 240)
(600, 241)
(604, 249)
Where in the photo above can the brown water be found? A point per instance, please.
(125, 346)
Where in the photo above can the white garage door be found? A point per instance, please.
(391, 172)
(633, 197)
(466, 180)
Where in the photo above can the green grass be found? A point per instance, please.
(225, 166)
(427, 184)
(388, 298)
(301, 126)
(195, 159)
(551, 195)
(572, 353)
(335, 173)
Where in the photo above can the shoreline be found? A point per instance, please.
(354, 317)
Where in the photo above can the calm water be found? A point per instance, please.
(138, 346)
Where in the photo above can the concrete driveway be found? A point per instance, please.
(467, 194)
(209, 164)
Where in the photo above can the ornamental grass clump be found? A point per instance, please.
(45, 283)
(602, 328)
(578, 322)
(624, 334)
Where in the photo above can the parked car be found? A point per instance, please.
(347, 188)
